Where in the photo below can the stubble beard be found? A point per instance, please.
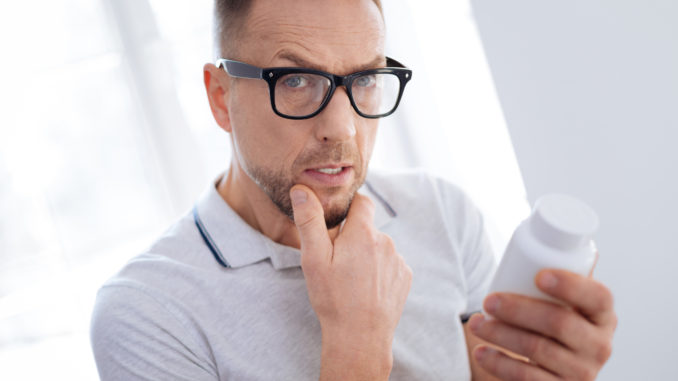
(276, 184)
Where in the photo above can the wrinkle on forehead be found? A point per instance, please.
(334, 41)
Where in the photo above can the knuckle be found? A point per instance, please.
(579, 371)
(387, 242)
(408, 274)
(367, 239)
(368, 201)
(615, 322)
(364, 202)
(370, 204)
(559, 324)
(585, 373)
(371, 236)
(603, 352)
(606, 299)
(304, 222)
(535, 346)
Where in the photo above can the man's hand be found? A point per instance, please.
(357, 285)
(570, 342)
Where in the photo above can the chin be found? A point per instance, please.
(336, 208)
(334, 198)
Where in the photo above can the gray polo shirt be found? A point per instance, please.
(214, 299)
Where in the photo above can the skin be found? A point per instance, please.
(358, 313)
(357, 285)
(337, 39)
(539, 340)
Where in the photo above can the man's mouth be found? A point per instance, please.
(330, 175)
(329, 171)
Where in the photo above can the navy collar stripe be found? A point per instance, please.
(386, 205)
(208, 240)
(211, 213)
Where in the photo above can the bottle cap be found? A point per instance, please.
(563, 222)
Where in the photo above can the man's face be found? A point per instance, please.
(340, 37)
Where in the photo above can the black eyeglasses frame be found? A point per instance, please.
(271, 75)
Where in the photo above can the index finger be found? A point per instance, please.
(593, 299)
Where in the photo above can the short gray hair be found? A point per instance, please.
(229, 19)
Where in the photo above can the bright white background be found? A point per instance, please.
(106, 138)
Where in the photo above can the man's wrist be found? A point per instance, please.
(356, 357)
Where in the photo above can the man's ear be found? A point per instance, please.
(217, 92)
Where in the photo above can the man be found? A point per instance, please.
(297, 264)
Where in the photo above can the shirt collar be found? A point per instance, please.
(234, 243)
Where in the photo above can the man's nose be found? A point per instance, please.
(337, 120)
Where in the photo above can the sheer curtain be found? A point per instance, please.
(106, 137)
(450, 122)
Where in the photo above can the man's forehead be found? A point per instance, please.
(298, 59)
(327, 35)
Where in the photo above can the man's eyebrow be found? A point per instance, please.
(302, 62)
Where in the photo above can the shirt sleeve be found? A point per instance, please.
(466, 224)
(479, 268)
(135, 336)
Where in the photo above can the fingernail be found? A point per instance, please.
(477, 322)
(547, 280)
(483, 352)
(492, 303)
(298, 197)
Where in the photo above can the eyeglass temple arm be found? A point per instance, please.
(240, 69)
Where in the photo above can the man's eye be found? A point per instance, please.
(366, 81)
(295, 81)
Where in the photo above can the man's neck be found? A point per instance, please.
(253, 205)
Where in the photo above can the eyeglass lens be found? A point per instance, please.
(301, 94)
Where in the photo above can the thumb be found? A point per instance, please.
(309, 218)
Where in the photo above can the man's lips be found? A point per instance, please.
(329, 175)
(331, 166)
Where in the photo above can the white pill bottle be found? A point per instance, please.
(557, 235)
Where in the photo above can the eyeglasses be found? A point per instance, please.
(300, 93)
